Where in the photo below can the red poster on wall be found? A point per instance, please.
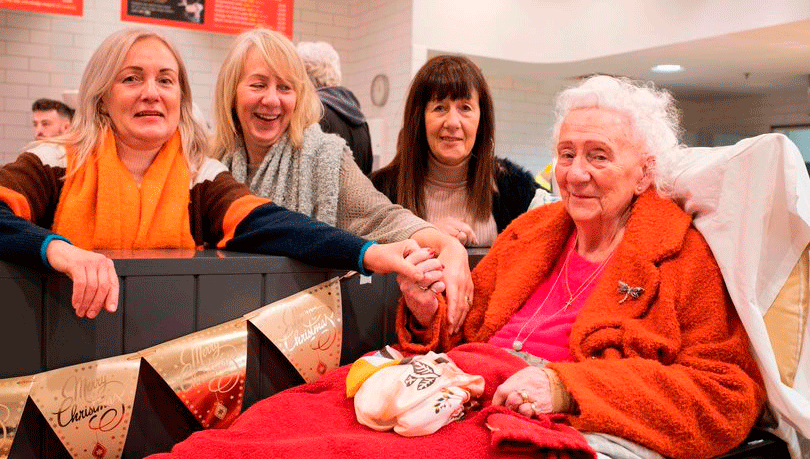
(73, 7)
(227, 16)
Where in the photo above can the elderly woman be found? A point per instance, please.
(131, 173)
(614, 288)
(445, 169)
(267, 133)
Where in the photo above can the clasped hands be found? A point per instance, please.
(437, 277)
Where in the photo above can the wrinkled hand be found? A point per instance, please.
(391, 258)
(457, 229)
(528, 392)
(458, 283)
(420, 297)
(95, 283)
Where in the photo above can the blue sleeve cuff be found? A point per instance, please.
(363, 249)
(43, 249)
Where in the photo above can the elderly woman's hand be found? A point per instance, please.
(95, 283)
(420, 297)
(528, 391)
(457, 229)
(458, 283)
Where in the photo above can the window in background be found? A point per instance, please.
(800, 135)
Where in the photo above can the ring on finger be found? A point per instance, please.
(525, 396)
(468, 300)
(458, 231)
(424, 289)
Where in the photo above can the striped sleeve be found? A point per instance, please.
(29, 191)
(274, 230)
(31, 185)
(218, 203)
(225, 214)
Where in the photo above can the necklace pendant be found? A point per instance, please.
(517, 345)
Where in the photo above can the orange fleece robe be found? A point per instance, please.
(670, 370)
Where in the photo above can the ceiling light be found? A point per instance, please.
(667, 68)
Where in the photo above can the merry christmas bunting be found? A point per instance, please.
(306, 328)
(206, 370)
(90, 406)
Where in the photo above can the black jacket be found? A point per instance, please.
(342, 116)
(516, 189)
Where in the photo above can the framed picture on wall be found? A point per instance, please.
(227, 16)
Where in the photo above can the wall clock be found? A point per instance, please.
(379, 90)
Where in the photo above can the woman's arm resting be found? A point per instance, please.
(95, 283)
(275, 230)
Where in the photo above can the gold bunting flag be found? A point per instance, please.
(207, 371)
(89, 406)
(306, 327)
(13, 394)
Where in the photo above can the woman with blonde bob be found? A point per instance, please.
(266, 113)
(131, 173)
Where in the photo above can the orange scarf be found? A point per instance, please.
(102, 207)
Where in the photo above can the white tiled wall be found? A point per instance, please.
(524, 117)
(381, 38)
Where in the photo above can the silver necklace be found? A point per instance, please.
(517, 344)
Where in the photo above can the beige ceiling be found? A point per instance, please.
(754, 62)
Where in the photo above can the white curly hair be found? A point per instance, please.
(654, 119)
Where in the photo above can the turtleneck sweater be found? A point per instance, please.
(446, 196)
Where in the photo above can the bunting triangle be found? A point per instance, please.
(89, 406)
(306, 327)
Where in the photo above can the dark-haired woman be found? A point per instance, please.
(445, 169)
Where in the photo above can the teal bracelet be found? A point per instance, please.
(43, 249)
(362, 269)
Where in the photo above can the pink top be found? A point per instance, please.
(543, 327)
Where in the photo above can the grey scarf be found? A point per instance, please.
(305, 179)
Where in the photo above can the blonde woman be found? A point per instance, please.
(266, 113)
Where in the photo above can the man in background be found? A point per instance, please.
(341, 109)
(50, 118)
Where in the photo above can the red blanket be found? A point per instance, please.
(317, 420)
